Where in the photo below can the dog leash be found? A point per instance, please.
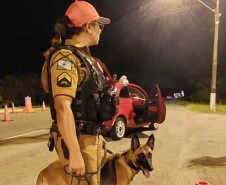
(87, 173)
(109, 151)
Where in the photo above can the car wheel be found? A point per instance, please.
(154, 126)
(118, 130)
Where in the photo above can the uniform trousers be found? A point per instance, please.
(91, 150)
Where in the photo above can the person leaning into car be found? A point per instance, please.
(79, 28)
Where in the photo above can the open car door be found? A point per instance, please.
(157, 107)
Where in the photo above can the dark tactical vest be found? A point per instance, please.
(95, 101)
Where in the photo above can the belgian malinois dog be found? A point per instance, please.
(119, 169)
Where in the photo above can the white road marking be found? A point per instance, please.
(23, 134)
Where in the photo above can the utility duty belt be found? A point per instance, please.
(82, 127)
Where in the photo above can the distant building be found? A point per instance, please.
(178, 95)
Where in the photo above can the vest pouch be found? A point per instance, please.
(109, 102)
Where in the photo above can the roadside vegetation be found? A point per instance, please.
(203, 108)
(14, 88)
(197, 95)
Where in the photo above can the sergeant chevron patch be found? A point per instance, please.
(64, 80)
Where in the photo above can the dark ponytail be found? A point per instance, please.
(63, 31)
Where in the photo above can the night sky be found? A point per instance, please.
(150, 41)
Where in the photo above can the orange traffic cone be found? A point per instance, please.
(6, 115)
(43, 106)
(28, 105)
(13, 108)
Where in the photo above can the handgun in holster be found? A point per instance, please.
(50, 143)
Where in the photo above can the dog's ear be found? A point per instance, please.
(151, 141)
(135, 143)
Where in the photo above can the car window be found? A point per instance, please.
(153, 93)
(136, 93)
(124, 92)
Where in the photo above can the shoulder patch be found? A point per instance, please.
(64, 65)
(64, 80)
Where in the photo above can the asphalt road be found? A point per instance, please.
(189, 147)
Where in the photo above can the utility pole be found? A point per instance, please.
(215, 52)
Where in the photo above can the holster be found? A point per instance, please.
(50, 143)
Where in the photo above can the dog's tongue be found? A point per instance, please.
(146, 173)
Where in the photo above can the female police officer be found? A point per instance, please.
(79, 28)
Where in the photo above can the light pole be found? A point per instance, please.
(215, 50)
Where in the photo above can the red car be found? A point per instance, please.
(136, 108)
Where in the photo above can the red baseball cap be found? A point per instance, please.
(81, 12)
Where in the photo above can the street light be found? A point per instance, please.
(215, 50)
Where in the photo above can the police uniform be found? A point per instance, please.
(67, 73)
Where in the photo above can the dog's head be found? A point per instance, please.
(141, 155)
